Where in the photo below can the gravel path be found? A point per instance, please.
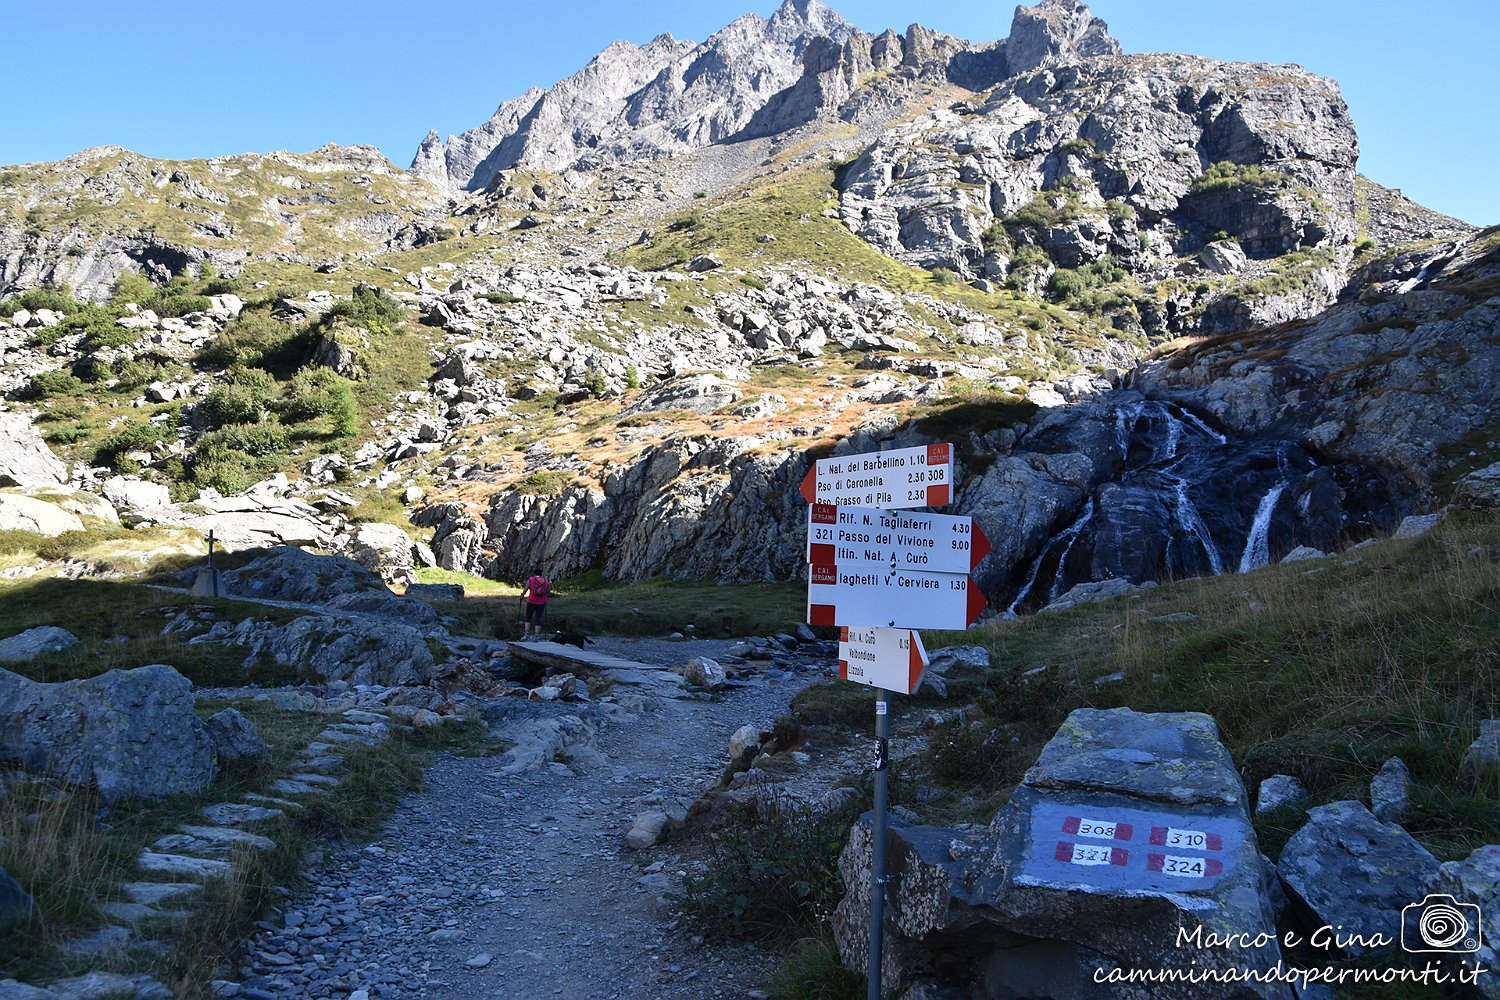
(490, 885)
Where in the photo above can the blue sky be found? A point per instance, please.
(207, 79)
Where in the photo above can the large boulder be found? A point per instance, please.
(132, 494)
(383, 549)
(292, 574)
(127, 732)
(34, 642)
(25, 459)
(236, 737)
(699, 392)
(1475, 881)
(1354, 871)
(80, 502)
(359, 651)
(1128, 845)
(262, 516)
(23, 513)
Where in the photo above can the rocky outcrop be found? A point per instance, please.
(385, 550)
(220, 213)
(1388, 379)
(692, 508)
(235, 737)
(126, 732)
(34, 642)
(24, 513)
(1142, 160)
(293, 574)
(1130, 836)
(25, 459)
(1356, 871)
(355, 650)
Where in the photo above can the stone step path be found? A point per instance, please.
(176, 866)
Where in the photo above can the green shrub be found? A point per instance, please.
(1080, 147)
(813, 970)
(182, 304)
(256, 340)
(369, 307)
(501, 298)
(772, 874)
(752, 281)
(133, 286)
(595, 383)
(632, 377)
(965, 753)
(345, 416)
(996, 240)
(313, 393)
(693, 220)
(228, 475)
(129, 437)
(259, 440)
(1226, 176)
(136, 372)
(46, 385)
(230, 404)
(222, 286)
(59, 300)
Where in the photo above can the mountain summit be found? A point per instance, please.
(756, 76)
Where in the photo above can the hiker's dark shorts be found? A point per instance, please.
(534, 613)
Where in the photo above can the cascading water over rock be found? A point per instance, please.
(1176, 499)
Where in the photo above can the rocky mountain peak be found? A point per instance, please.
(755, 76)
(1056, 32)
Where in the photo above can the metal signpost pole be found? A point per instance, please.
(877, 831)
(213, 572)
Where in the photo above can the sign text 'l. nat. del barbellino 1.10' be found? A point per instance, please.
(899, 479)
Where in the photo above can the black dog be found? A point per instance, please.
(572, 639)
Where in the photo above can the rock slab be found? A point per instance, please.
(127, 732)
(34, 642)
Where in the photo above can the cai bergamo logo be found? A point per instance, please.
(1440, 923)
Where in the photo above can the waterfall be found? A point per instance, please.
(1258, 543)
(1068, 536)
(1190, 417)
(1174, 434)
(1407, 286)
(1171, 497)
(1192, 523)
(1125, 418)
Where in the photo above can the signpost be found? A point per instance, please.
(878, 572)
(888, 658)
(895, 480)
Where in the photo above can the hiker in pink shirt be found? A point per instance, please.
(537, 589)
